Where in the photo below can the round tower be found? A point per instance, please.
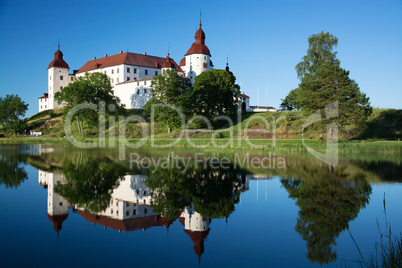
(197, 58)
(57, 77)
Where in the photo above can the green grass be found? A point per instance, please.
(388, 252)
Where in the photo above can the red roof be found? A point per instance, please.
(140, 223)
(126, 58)
(198, 240)
(57, 221)
(168, 63)
(199, 47)
(45, 96)
(183, 61)
(244, 96)
(58, 61)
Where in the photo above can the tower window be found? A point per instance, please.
(156, 73)
(61, 77)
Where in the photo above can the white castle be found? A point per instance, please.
(131, 74)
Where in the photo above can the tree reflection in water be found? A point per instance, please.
(326, 207)
(11, 173)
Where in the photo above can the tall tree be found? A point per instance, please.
(320, 51)
(12, 108)
(169, 90)
(92, 88)
(215, 93)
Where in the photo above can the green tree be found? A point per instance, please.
(11, 173)
(11, 109)
(323, 83)
(169, 90)
(92, 88)
(215, 93)
(331, 84)
(326, 207)
(320, 51)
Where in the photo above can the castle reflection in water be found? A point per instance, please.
(129, 209)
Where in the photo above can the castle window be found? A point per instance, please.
(145, 82)
(138, 83)
(105, 72)
(138, 192)
(112, 71)
(127, 213)
(128, 78)
(61, 203)
(145, 201)
(146, 72)
(112, 80)
(45, 106)
(117, 70)
(145, 193)
(61, 87)
(117, 212)
(61, 77)
(72, 78)
(117, 203)
(41, 106)
(134, 211)
(145, 90)
(135, 70)
(138, 91)
(145, 211)
(128, 69)
(111, 211)
(117, 80)
(156, 73)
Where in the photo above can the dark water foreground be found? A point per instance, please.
(63, 207)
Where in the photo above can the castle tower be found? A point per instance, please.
(57, 206)
(197, 227)
(57, 78)
(197, 58)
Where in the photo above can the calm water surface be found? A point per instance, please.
(65, 207)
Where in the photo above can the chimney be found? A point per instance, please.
(105, 55)
(145, 53)
(94, 58)
(121, 51)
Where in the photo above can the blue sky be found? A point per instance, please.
(263, 40)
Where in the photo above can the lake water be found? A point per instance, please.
(63, 207)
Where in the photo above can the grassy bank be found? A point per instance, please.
(253, 131)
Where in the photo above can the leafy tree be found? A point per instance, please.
(215, 93)
(332, 84)
(92, 88)
(11, 109)
(324, 83)
(90, 184)
(320, 51)
(169, 89)
(326, 207)
(11, 174)
(291, 102)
